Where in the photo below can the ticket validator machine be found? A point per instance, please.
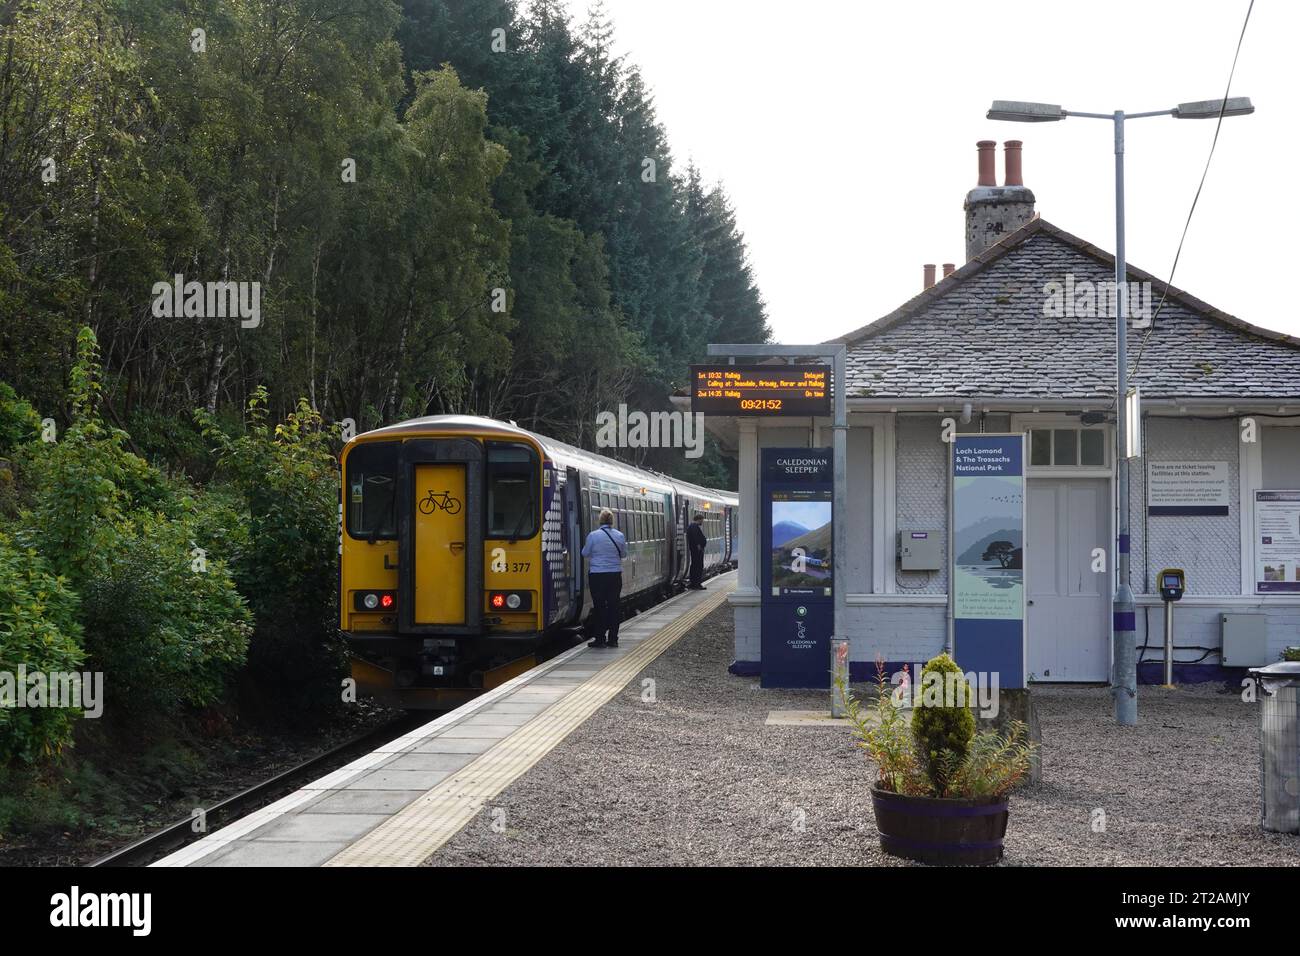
(1173, 582)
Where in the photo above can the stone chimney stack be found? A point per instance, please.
(993, 211)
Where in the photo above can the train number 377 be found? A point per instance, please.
(500, 565)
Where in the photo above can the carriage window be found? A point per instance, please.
(370, 489)
(512, 502)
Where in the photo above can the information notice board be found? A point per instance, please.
(798, 566)
(986, 555)
(1188, 488)
(1277, 541)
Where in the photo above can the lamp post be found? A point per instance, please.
(1124, 653)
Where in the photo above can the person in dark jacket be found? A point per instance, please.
(605, 550)
(696, 542)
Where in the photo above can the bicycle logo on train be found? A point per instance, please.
(443, 502)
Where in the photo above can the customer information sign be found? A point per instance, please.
(986, 549)
(798, 567)
(766, 391)
(1277, 541)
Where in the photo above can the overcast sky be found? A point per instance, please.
(845, 134)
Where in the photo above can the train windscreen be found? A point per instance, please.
(371, 488)
(512, 479)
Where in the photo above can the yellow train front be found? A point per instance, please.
(460, 550)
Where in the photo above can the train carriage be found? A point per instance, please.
(460, 549)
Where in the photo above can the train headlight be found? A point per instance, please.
(510, 600)
(374, 600)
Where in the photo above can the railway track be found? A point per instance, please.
(176, 835)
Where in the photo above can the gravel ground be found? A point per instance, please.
(697, 779)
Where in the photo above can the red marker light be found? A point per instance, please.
(498, 600)
(386, 600)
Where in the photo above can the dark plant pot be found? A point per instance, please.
(941, 831)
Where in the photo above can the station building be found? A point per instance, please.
(1009, 342)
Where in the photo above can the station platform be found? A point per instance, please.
(398, 805)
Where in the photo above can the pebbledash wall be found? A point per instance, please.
(904, 616)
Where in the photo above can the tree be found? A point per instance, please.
(1001, 551)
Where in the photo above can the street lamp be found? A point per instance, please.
(1124, 674)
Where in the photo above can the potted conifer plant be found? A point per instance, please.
(940, 795)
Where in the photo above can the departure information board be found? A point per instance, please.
(761, 390)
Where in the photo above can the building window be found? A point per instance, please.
(1067, 447)
(1092, 447)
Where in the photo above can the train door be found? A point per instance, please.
(727, 533)
(440, 544)
(683, 521)
(573, 540)
(664, 531)
(440, 536)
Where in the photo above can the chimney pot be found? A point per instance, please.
(948, 269)
(986, 148)
(1011, 161)
(929, 276)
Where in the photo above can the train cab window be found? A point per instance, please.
(512, 502)
(370, 491)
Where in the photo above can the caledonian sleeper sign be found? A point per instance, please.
(762, 390)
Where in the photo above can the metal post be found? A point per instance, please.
(840, 514)
(1124, 618)
(1169, 643)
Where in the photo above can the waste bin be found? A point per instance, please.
(1279, 744)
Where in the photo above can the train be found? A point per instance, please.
(460, 543)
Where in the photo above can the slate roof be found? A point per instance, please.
(981, 332)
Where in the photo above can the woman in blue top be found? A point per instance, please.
(605, 550)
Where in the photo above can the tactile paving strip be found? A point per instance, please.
(413, 834)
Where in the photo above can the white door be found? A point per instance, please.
(1067, 601)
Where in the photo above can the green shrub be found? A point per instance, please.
(287, 565)
(993, 764)
(164, 623)
(941, 722)
(19, 422)
(38, 630)
(988, 766)
(171, 442)
(124, 535)
(76, 482)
